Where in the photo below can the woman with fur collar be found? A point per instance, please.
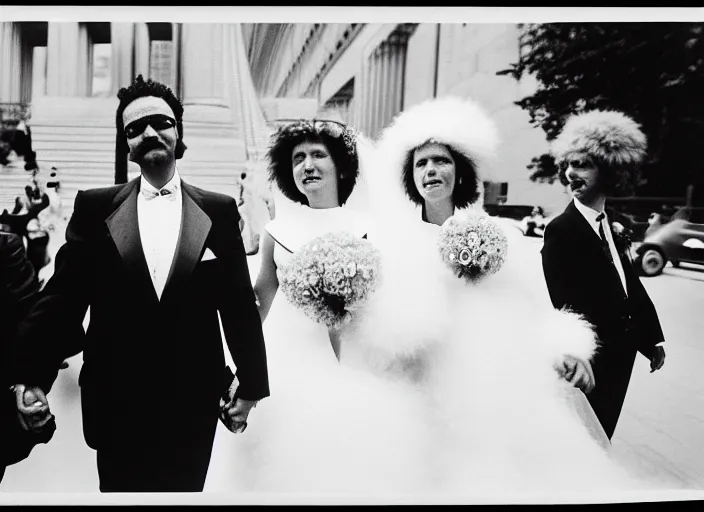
(495, 363)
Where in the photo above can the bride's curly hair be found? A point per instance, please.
(340, 141)
(466, 190)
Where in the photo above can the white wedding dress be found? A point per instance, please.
(327, 429)
(499, 418)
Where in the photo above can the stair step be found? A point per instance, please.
(77, 136)
(64, 137)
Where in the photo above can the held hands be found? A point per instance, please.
(234, 416)
(577, 372)
(657, 360)
(234, 411)
(32, 408)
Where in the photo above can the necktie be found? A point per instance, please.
(166, 192)
(602, 235)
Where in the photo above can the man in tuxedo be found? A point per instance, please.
(586, 265)
(156, 259)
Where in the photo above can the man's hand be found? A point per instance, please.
(238, 414)
(658, 359)
(32, 408)
(577, 372)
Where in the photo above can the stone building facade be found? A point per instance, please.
(367, 73)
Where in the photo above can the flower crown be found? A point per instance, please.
(297, 127)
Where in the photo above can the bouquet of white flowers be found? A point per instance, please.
(473, 246)
(330, 275)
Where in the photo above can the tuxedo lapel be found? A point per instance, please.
(123, 225)
(580, 223)
(593, 241)
(195, 227)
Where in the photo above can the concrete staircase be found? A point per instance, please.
(77, 136)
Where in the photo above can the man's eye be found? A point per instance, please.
(420, 163)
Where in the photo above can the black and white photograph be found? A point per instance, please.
(351, 256)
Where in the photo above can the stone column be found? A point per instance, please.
(25, 72)
(122, 42)
(176, 33)
(84, 76)
(202, 71)
(39, 72)
(10, 62)
(382, 82)
(395, 62)
(142, 50)
(16, 63)
(361, 88)
(6, 51)
(62, 59)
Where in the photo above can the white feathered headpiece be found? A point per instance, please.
(609, 136)
(457, 122)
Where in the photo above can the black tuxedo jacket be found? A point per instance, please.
(144, 357)
(580, 276)
(18, 290)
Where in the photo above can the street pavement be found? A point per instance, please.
(659, 433)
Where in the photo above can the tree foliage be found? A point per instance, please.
(653, 72)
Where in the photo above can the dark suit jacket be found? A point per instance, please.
(580, 276)
(18, 290)
(142, 357)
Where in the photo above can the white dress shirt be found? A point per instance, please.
(591, 215)
(159, 221)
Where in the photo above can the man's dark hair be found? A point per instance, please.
(466, 190)
(281, 167)
(127, 95)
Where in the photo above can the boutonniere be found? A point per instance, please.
(623, 237)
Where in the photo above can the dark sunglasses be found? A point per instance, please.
(575, 163)
(158, 121)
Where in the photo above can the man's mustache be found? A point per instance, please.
(145, 147)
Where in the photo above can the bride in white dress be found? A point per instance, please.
(326, 429)
(498, 367)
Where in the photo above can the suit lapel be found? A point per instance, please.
(123, 225)
(583, 225)
(592, 239)
(195, 227)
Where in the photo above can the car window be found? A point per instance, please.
(696, 227)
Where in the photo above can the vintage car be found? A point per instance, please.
(678, 241)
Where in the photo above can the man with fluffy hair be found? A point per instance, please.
(587, 267)
(156, 260)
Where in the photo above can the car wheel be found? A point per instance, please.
(652, 262)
